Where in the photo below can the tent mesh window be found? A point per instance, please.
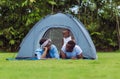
(55, 34)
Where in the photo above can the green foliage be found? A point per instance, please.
(1, 43)
(101, 18)
(17, 18)
(93, 26)
(52, 2)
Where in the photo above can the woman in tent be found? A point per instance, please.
(46, 50)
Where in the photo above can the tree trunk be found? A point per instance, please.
(85, 20)
(118, 30)
(52, 8)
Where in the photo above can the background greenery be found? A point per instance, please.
(106, 67)
(100, 17)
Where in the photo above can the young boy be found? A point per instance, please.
(66, 36)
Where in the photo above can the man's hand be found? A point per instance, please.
(74, 58)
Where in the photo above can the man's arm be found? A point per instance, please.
(80, 56)
(63, 55)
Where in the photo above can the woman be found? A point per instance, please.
(46, 50)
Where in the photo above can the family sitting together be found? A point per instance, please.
(69, 48)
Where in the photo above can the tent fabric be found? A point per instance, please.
(31, 42)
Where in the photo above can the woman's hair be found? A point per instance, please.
(42, 41)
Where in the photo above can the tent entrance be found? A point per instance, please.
(55, 34)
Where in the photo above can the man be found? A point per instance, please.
(47, 50)
(71, 51)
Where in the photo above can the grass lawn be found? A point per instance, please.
(106, 67)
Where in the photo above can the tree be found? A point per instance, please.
(17, 17)
(111, 13)
(100, 17)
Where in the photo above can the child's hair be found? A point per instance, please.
(67, 30)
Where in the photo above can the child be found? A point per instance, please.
(66, 37)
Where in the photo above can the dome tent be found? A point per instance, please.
(57, 21)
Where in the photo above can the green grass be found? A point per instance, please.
(106, 67)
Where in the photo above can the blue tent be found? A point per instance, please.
(57, 21)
